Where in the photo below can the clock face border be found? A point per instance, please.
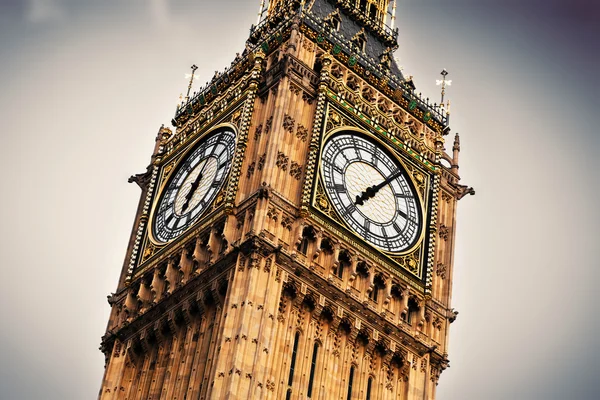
(412, 264)
(169, 170)
(348, 221)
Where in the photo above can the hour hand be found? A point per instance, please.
(371, 191)
(190, 194)
(366, 195)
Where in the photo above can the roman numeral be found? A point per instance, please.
(350, 208)
(402, 214)
(340, 188)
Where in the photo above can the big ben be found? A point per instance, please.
(294, 237)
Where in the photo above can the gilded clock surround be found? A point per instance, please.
(174, 164)
(272, 250)
(412, 258)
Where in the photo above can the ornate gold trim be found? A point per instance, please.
(164, 180)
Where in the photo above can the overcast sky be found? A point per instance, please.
(85, 85)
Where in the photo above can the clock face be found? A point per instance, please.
(371, 191)
(194, 185)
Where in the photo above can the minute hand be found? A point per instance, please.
(370, 192)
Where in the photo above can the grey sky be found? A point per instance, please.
(85, 86)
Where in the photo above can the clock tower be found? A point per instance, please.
(294, 237)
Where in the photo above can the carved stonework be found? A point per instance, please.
(250, 170)
(261, 161)
(302, 133)
(423, 364)
(296, 170)
(444, 231)
(258, 132)
(441, 270)
(296, 90)
(288, 123)
(308, 46)
(286, 222)
(273, 213)
(268, 264)
(282, 161)
(197, 317)
(446, 197)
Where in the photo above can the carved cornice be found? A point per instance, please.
(360, 318)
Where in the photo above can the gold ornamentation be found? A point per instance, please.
(148, 251)
(322, 203)
(418, 177)
(168, 168)
(235, 117)
(410, 261)
(335, 120)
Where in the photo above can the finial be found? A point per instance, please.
(444, 83)
(456, 142)
(191, 76)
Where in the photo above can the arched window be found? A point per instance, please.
(369, 384)
(292, 365)
(313, 366)
(378, 285)
(344, 261)
(413, 308)
(308, 235)
(350, 382)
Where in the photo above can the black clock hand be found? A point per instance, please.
(190, 194)
(370, 192)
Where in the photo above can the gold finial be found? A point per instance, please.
(444, 83)
(191, 76)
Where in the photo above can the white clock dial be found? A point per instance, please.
(371, 191)
(194, 185)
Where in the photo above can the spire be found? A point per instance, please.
(455, 152)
